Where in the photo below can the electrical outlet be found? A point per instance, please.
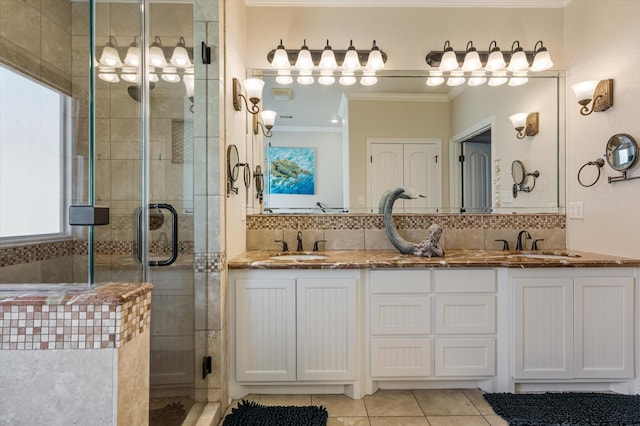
(576, 210)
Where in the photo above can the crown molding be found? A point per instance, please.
(413, 3)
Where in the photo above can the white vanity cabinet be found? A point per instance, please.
(293, 326)
(574, 324)
(432, 323)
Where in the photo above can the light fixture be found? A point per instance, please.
(180, 56)
(495, 61)
(351, 61)
(526, 124)
(170, 74)
(284, 77)
(253, 88)
(110, 56)
(375, 61)
(455, 79)
(280, 58)
(435, 78)
(328, 59)
(132, 57)
(326, 78)
(600, 92)
(471, 58)
(266, 121)
(449, 61)
(189, 85)
(156, 55)
(518, 61)
(304, 61)
(368, 78)
(108, 74)
(305, 77)
(477, 78)
(541, 60)
(347, 78)
(129, 74)
(498, 78)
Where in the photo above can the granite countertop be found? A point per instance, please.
(372, 259)
(71, 294)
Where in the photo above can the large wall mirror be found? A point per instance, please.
(358, 141)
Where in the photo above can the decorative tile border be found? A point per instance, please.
(406, 221)
(209, 262)
(73, 325)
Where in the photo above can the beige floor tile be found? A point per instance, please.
(477, 399)
(234, 403)
(285, 400)
(444, 402)
(387, 403)
(457, 421)
(340, 405)
(399, 421)
(496, 420)
(348, 421)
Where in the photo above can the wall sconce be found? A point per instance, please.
(601, 92)
(525, 124)
(253, 87)
(265, 120)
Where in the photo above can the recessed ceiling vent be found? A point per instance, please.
(282, 94)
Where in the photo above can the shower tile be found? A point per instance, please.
(103, 180)
(178, 180)
(200, 222)
(171, 21)
(206, 10)
(21, 24)
(125, 19)
(200, 300)
(58, 12)
(215, 213)
(213, 37)
(467, 239)
(121, 104)
(80, 19)
(376, 239)
(264, 239)
(200, 165)
(214, 305)
(199, 107)
(344, 239)
(102, 20)
(18, 58)
(216, 173)
(124, 179)
(55, 77)
(125, 129)
(21, 273)
(55, 45)
(213, 96)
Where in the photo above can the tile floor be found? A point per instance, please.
(441, 407)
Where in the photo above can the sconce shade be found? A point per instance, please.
(268, 118)
(304, 61)
(180, 56)
(455, 79)
(498, 78)
(253, 88)
(495, 61)
(518, 78)
(328, 59)
(326, 78)
(542, 60)
(519, 120)
(435, 78)
(132, 58)
(189, 84)
(284, 77)
(153, 77)
(449, 61)
(526, 124)
(477, 78)
(280, 58)
(472, 60)
(110, 57)
(129, 74)
(305, 78)
(368, 78)
(347, 78)
(351, 61)
(109, 75)
(170, 74)
(374, 60)
(518, 61)
(584, 91)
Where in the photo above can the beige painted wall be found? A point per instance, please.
(601, 42)
(375, 119)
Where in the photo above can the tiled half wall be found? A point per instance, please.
(366, 231)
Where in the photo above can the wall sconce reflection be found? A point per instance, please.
(253, 88)
(600, 92)
(526, 124)
(265, 120)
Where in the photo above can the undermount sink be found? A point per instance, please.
(548, 255)
(300, 256)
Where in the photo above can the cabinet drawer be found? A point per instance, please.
(400, 314)
(402, 357)
(465, 357)
(400, 281)
(465, 281)
(458, 314)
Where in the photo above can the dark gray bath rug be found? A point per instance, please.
(253, 414)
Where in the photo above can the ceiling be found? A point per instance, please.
(412, 3)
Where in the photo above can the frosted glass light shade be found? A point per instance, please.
(156, 56)
(518, 61)
(305, 78)
(110, 57)
(347, 78)
(189, 84)
(170, 74)
(304, 61)
(284, 77)
(129, 74)
(108, 75)
(498, 78)
(471, 61)
(180, 57)
(253, 88)
(368, 78)
(518, 120)
(328, 60)
(455, 79)
(326, 78)
(584, 90)
(375, 62)
(351, 61)
(518, 78)
(477, 78)
(495, 61)
(449, 62)
(280, 58)
(435, 78)
(133, 56)
(268, 118)
(542, 61)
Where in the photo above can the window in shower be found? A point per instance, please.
(32, 178)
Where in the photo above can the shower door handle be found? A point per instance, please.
(174, 235)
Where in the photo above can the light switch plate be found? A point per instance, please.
(576, 210)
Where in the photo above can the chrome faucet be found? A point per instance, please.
(526, 234)
(299, 238)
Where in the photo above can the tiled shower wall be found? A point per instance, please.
(366, 231)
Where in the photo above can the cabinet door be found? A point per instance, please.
(326, 332)
(465, 356)
(465, 314)
(400, 357)
(604, 327)
(400, 314)
(544, 328)
(265, 330)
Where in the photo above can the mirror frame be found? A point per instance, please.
(615, 143)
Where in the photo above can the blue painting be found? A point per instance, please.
(292, 170)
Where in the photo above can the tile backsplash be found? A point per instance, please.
(366, 231)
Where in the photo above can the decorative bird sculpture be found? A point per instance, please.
(430, 247)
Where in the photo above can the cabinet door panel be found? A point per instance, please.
(265, 330)
(400, 357)
(604, 327)
(544, 328)
(326, 329)
(457, 314)
(400, 314)
(460, 357)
